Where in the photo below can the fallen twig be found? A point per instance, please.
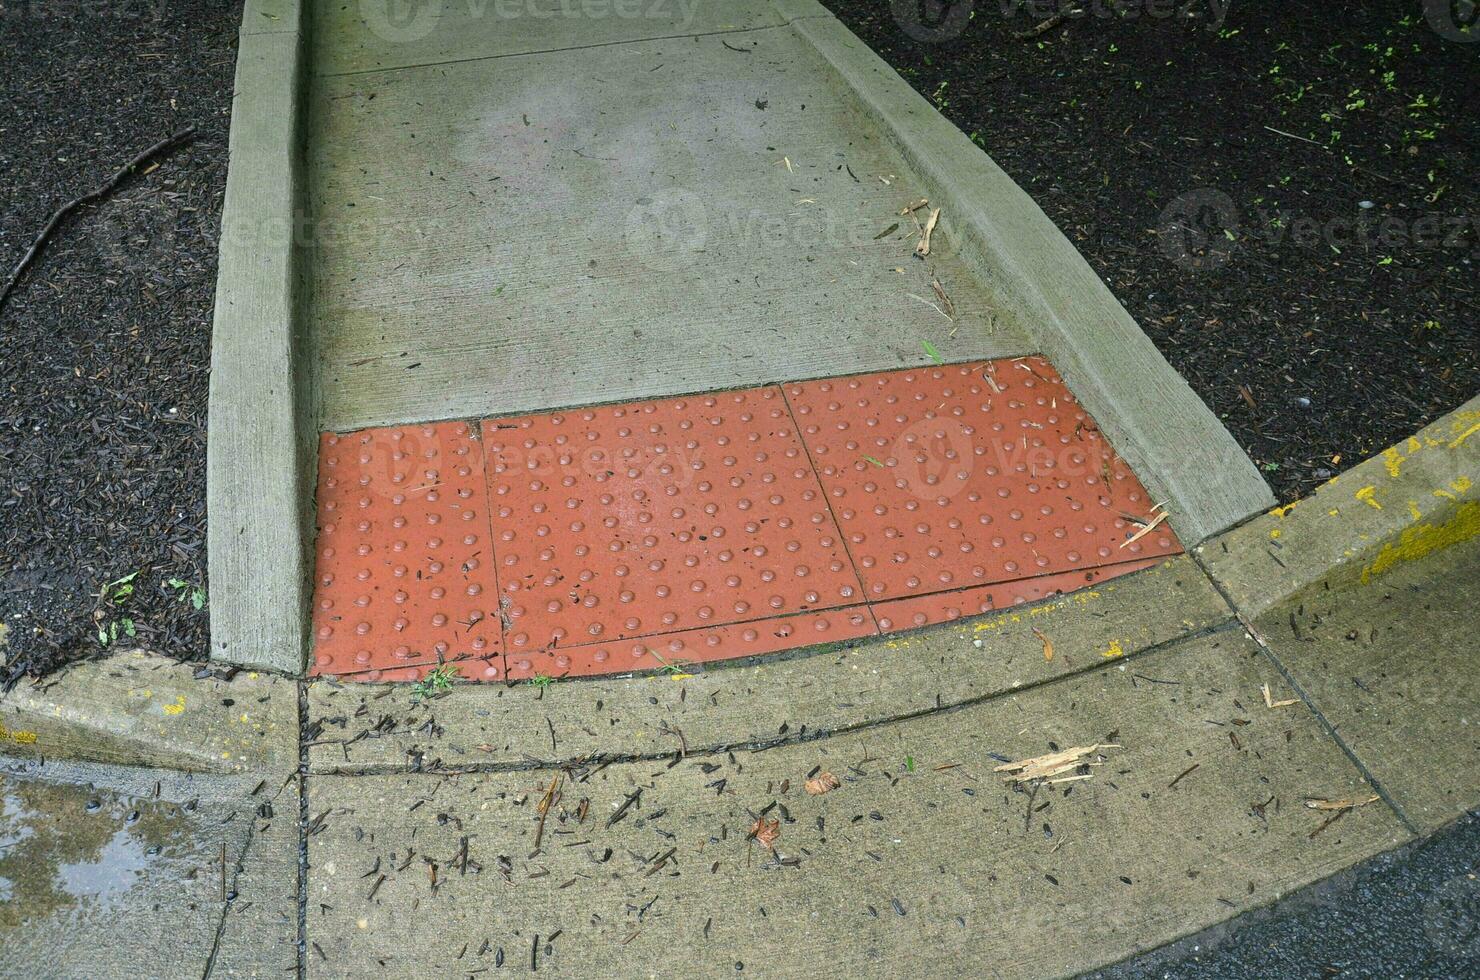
(923, 249)
(1047, 766)
(163, 146)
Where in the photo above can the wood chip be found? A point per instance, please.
(923, 248)
(1145, 530)
(1346, 804)
(949, 308)
(914, 206)
(1276, 704)
(823, 782)
(1052, 764)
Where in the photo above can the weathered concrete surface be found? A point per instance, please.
(921, 863)
(1394, 666)
(673, 217)
(261, 437)
(1416, 498)
(381, 34)
(365, 727)
(1172, 440)
(109, 872)
(141, 709)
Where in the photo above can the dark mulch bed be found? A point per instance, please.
(105, 345)
(1320, 331)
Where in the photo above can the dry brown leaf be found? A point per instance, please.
(1346, 804)
(766, 831)
(823, 782)
(1047, 645)
(1052, 764)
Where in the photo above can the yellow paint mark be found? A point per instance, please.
(1461, 485)
(1460, 439)
(244, 717)
(1114, 650)
(1334, 512)
(1274, 532)
(1392, 458)
(1424, 539)
(1413, 510)
(1366, 495)
(177, 707)
(680, 677)
(1282, 511)
(18, 736)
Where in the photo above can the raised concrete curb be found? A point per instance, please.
(1418, 497)
(376, 728)
(259, 456)
(141, 709)
(1171, 439)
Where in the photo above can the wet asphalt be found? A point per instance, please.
(1413, 912)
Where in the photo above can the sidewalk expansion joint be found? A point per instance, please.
(302, 943)
(802, 735)
(1309, 702)
(573, 47)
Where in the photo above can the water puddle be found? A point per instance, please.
(73, 853)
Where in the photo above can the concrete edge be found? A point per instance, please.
(260, 452)
(1175, 444)
(137, 708)
(1414, 498)
(775, 700)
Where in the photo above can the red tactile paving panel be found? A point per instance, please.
(677, 651)
(404, 570)
(965, 475)
(942, 607)
(658, 517)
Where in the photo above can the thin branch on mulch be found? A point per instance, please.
(163, 146)
(1047, 25)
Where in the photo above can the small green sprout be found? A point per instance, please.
(185, 592)
(673, 668)
(119, 590)
(870, 459)
(437, 681)
(541, 681)
(909, 763)
(931, 352)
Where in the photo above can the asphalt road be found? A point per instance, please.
(1414, 912)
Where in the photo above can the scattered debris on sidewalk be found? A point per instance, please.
(1047, 645)
(1268, 703)
(1350, 803)
(823, 782)
(1054, 763)
(923, 249)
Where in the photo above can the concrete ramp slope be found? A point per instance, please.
(491, 209)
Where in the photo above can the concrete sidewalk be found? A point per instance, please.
(518, 213)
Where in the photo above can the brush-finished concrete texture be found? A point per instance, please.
(674, 216)
(921, 863)
(141, 709)
(1394, 666)
(377, 727)
(260, 446)
(1415, 498)
(113, 872)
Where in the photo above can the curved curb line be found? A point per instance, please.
(1175, 444)
(259, 451)
(1411, 500)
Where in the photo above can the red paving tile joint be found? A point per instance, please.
(654, 534)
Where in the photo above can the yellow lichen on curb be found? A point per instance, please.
(1368, 496)
(1422, 540)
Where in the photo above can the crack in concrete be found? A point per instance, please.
(755, 745)
(231, 896)
(302, 829)
(1300, 692)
